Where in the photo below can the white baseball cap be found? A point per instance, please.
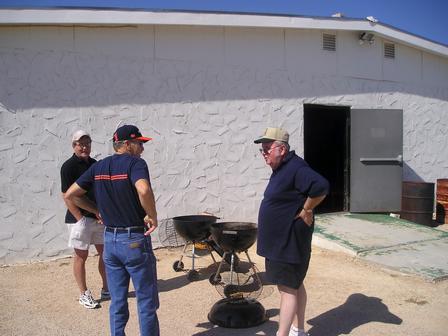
(79, 134)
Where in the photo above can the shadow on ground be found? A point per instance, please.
(203, 274)
(267, 328)
(357, 310)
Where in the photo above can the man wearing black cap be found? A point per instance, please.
(126, 204)
(286, 224)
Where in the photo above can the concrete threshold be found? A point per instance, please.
(390, 242)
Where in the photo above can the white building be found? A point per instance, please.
(205, 85)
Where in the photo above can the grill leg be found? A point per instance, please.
(232, 260)
(183, 251)
(218, 272)
(192, 257)
(253, 267)
(211, 254)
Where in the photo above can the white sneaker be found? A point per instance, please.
(87, 300)
(297, 332)
(105, 294)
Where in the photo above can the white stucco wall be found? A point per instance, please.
(203, 94)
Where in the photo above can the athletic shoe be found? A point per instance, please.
(105, 295)
(87, 300)
(297, 332)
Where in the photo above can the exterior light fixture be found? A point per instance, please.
(366, 37)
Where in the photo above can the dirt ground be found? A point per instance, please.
(345, 296)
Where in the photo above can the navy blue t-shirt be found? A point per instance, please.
(280, 236)
(113, 181)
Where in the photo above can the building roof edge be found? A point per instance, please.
(96, 16)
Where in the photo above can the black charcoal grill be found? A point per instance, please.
(194, 229)
(234, 236)
(239, 307)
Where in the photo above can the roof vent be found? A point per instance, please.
(389, 50)
(329, 42)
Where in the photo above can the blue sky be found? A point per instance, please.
(426, 18)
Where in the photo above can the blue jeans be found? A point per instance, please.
(130, 256)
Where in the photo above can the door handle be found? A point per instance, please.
(398, 159)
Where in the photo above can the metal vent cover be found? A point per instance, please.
(389, 50)
(329, 42)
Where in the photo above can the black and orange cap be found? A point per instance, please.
(129, 132)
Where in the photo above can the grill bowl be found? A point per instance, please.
(194, 227)
(234, 236)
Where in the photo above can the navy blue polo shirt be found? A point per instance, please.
(70, 171)
(280, 236)
(113, 181)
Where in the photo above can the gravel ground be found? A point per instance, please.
(345, 296)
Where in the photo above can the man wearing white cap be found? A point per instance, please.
(286, 224)
(84, 228)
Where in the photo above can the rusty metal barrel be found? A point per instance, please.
(442, 201)
(417, 202)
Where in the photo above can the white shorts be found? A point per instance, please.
(85, 232)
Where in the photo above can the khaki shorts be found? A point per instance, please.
(85, 232)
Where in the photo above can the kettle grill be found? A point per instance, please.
(195, 230)
(241, 286)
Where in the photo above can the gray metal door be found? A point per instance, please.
(376, 160)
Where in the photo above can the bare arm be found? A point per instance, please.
(75, 198)
(146, 197)
(72, 207)
(307, 212)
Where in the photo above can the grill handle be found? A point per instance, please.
(229, 232)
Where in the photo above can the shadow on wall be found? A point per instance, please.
(357, 310)
(409, 174)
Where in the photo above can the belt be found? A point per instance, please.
(125, 229)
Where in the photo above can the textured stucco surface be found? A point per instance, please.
(203, 94)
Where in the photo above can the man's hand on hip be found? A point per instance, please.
(306, 215)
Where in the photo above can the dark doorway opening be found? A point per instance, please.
(327, 150)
